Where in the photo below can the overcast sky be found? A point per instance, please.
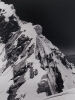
(56, 16)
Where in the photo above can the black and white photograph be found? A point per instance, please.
(37, 50)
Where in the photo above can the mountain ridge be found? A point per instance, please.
(31, 66)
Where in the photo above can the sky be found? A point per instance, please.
(57, 18)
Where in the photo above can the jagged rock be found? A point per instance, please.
(58, 79)
(36, 72)
(31, 73)
(43, 86)
(38, 29)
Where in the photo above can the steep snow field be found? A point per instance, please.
(31, 67)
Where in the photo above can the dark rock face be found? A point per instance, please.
(43, 86)
(6, 28)
(59, 80)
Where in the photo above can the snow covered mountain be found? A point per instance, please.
(31, 67)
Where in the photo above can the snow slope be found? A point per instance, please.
(31, 67)
(67, 95)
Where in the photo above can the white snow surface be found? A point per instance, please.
(30, 86)
(5, 83)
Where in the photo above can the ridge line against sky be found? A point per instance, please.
(56, 17)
